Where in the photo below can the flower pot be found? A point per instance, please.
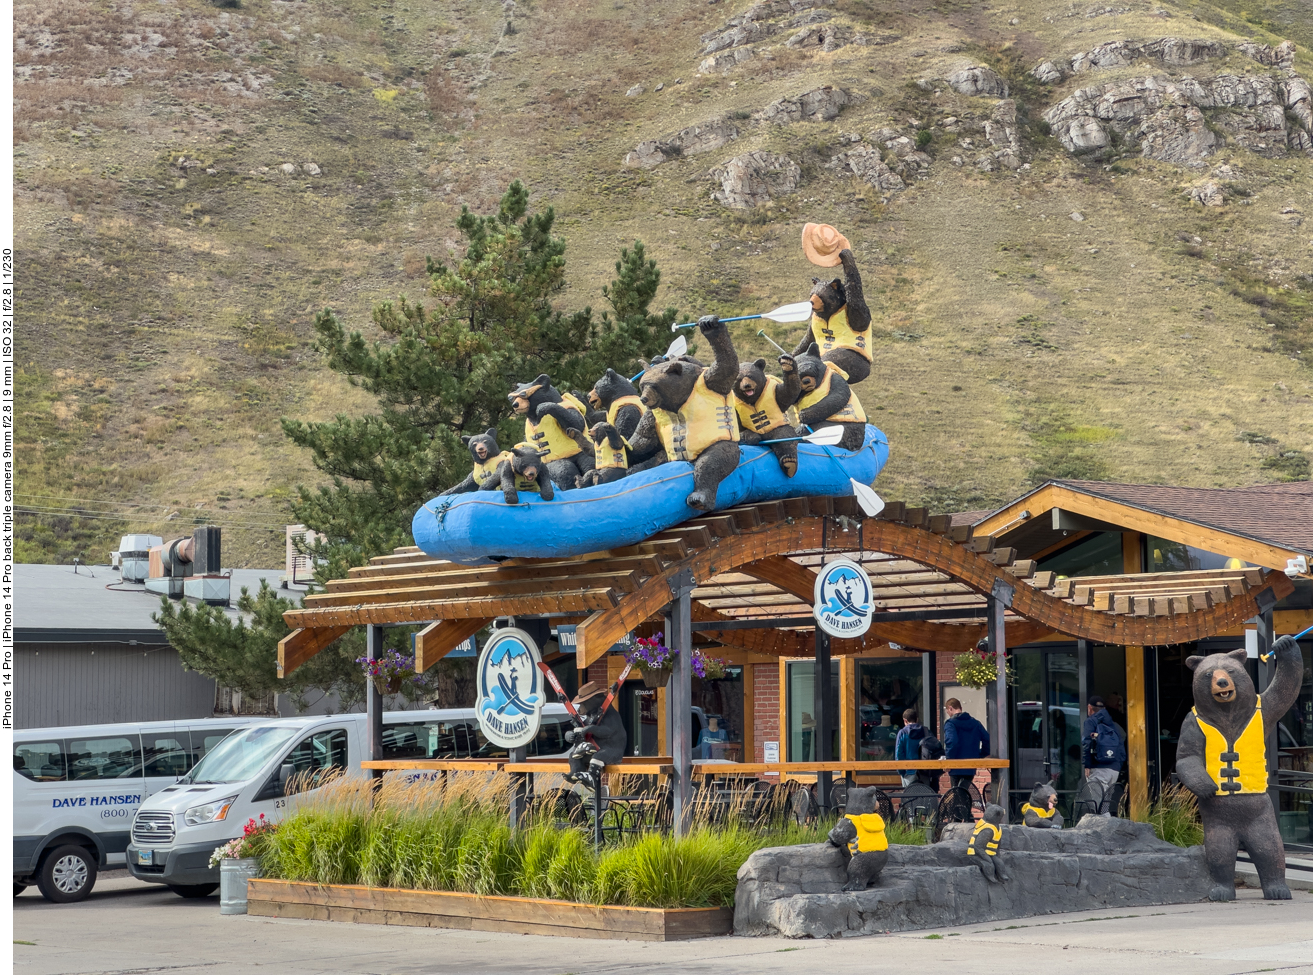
(389, 685)
(656, 678)
(233, 875)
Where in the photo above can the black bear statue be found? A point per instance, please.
(984, 843)
(1040, 811)
(765, 407)
(549, 416)
(861, 836)
(827, 400)
(487, 457)
(1221, 757)
(521, 470)
(602, 739)
(841, 322)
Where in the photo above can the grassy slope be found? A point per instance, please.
(167, 309)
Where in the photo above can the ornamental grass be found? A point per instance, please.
(452, 834)
(1175, 816)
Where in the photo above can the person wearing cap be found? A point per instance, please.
(841, 321)
(602, 739)
(1103, 752)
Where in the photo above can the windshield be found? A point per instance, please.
(241, 755)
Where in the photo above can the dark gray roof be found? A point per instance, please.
(54, 603)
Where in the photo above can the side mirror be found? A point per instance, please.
(285, 773)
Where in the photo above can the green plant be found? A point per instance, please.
(1175, 817)
(904, 834)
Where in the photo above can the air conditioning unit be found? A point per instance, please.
(133, 556)
(300, 569)
(190, 567)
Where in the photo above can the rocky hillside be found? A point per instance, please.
(1082, 225)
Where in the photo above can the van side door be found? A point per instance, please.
(315, 759)
(104, 787)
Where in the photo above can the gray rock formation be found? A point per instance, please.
(1174, 51)
(692, 141)
(823, 37)
(1283, 56)
(1208, 194)
(978, 80)
(1001, 131)
(725, 60)
(1101, 863)
(738, 36)
(867, 165)
(818, 105)
(1052, 72)
(754, 178)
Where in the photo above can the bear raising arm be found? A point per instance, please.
(567, 417)
(645, 442)
(721, 375)
(1279, 695)
(859, 316)
(843, 833)
(789, 391)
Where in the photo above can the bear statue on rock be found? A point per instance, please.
(691, 414)
(614, 400)
(861, 836)
(1222, 758)
(841, 322)
(765, 407)
(602, 739)
(520, 470)
(827, 400)
(487, 457)
(1040, 811)
(549, 418)
(984, 843)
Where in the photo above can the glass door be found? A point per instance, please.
(1046, 717)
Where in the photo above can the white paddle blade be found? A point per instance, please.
(870, 502)
(677, 348)
(825, 436)
(799, 311)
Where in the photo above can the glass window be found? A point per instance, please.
(550, 739)
(1099, 555)
(165, 754)
(40, 761)
(721, 701)
(1295, 762)
(203, 741)
(104, 758)
(1165, 556)
(885, 689)
(801, 704)
(319, 753)
(241, 754)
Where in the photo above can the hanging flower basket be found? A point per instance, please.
(391, 672)
(979, 668)
(656, 678)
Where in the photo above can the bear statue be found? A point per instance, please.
(549, 416)
(610, 455)
(827, 399)
(765, 407)
(487, 458)
(521, 470)
(983, 845)
(600, 741)
(861, 835)
(841, 322)
(616, 399)
(1040, 811)
(691, 415)
(1221, 757)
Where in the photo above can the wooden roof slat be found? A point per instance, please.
(587, 601)
(644, 565)
(721, 526)
(892, 511)
(623, 581)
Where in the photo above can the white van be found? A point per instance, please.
(77, 788)
(175, 830)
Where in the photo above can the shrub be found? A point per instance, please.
(1175, 817)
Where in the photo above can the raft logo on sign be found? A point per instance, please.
(844, 603)
(510, 700)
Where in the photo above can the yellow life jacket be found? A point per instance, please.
(836, 334)
(614, 409)
(706, 418)
(991, 845)
(550, 438)
(766, 414)
(1041, 813)
(1239, 767)
(870, 834)
(483, 469)
(604, 455)
(850, 413)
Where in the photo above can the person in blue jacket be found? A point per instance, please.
(964, 737)
(1103, 751)
(907, 745)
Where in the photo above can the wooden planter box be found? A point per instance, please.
(472, 912)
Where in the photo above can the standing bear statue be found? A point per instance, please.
(600, 741)
(861, 835)
(550, 417)
(1222, 758)
(841, 320)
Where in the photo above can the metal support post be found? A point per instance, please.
(680, 694)
(668, 631)
(999, 600)
(1266, 671)
(824, 718)
(374, 701)
(519, 788)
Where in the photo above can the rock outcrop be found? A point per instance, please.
(979, 81)
(1002, 133)
(755, 178)
(867, 165)
(692, 141)
(1282, 56)
(1101, 863)
(1170, 51)
(818, 105)
(760, 22)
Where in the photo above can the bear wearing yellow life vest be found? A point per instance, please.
(1040, 811)
(1221, 757)
(521, 469)
(691, 414)
(549, 418)
(486, 456)
(614, 400)
(860, 834)
(827, 400)
(984, 843)
(841, 322)
(765, 408)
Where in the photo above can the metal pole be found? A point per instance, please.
(373, 701)
(1000, 599)
(822, 711)
(680, 691)
(1266, 671)
(519, 788)
(668, 745)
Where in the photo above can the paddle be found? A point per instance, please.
(1298, 636)
(677, 348)
(871, 503)
(799, 311)
(824, 437)
(762, 333)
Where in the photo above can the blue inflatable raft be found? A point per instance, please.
(478, 527)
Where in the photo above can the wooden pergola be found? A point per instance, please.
(744, 577)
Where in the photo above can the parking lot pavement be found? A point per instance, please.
(126, 927)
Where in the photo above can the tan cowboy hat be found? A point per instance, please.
(822, 243)
(589, 691)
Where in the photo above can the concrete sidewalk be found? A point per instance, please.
(128, 927)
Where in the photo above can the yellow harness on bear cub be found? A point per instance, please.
(870, 834)
(605, 456)
(550, 438)
(1240, 767)
(837, 334)
(483, 469)
(766, 414)
(991, 845)
(705, 418)
(851, 413)
(1041, 813)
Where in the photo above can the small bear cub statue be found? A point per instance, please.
(983, 845)
(1040, 811)
(487, 457)
(861, 836)
(522, 470)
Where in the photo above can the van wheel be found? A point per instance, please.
(67, 875)
(19, 888)
(193, 890)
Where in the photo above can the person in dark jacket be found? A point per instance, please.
(907, 745)
(964, 737)
(1103, 751)
(932, 750)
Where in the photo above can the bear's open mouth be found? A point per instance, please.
(1224, 695)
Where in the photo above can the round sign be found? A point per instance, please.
(844, 602)
(510, 702)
